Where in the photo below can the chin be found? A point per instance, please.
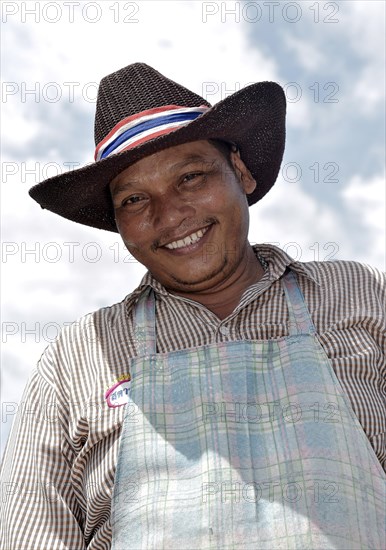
(192, 278)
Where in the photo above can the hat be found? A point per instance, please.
(140, 112)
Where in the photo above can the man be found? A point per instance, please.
(235, 399)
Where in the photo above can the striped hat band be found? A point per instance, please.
(141, 127)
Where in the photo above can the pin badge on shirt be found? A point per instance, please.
(118, 394)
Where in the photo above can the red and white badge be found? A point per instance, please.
(118, 394)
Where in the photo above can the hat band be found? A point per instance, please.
(146, 125)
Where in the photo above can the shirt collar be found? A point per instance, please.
(276, 259)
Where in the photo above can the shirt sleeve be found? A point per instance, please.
(378, 441)
(38, 505)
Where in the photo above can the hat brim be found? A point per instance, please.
(253, 118)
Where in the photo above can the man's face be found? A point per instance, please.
(187, 190)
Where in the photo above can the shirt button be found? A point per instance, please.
(224, 330)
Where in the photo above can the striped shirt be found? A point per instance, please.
(59, 463)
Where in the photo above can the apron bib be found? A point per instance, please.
(243, 445)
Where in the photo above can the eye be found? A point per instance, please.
(192, 176)
(134, 199)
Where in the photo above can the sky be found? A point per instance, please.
(328, 202)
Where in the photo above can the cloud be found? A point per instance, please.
(308, 55)
(308, 229)
(294, 220)
(367, 201)
(366, 33)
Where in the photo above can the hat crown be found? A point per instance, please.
(134, 89)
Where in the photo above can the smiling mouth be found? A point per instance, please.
(189, 240)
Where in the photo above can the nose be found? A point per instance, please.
(170, 210)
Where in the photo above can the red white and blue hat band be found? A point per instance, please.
(146, 125)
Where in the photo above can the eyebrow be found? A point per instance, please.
(120, 187)
(189, 160)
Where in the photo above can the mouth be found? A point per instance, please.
(190, 243)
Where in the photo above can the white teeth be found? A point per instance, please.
(188, 240)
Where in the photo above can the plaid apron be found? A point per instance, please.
(243, 444)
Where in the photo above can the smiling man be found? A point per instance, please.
(236, 398)
(187, 222)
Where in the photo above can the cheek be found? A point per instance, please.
(132, 230)
(219, 201)
(228, 200)
(229, 189)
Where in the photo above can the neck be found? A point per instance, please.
(223, 299)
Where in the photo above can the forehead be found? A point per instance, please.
(169, 159)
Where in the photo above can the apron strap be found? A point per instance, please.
(144, 323)
(145, 326)
(300, 321)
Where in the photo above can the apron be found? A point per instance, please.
(243, 444)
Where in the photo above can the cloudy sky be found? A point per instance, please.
(328, 202)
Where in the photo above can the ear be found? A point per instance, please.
(245, 177)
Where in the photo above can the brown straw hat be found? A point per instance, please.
(140, 112)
